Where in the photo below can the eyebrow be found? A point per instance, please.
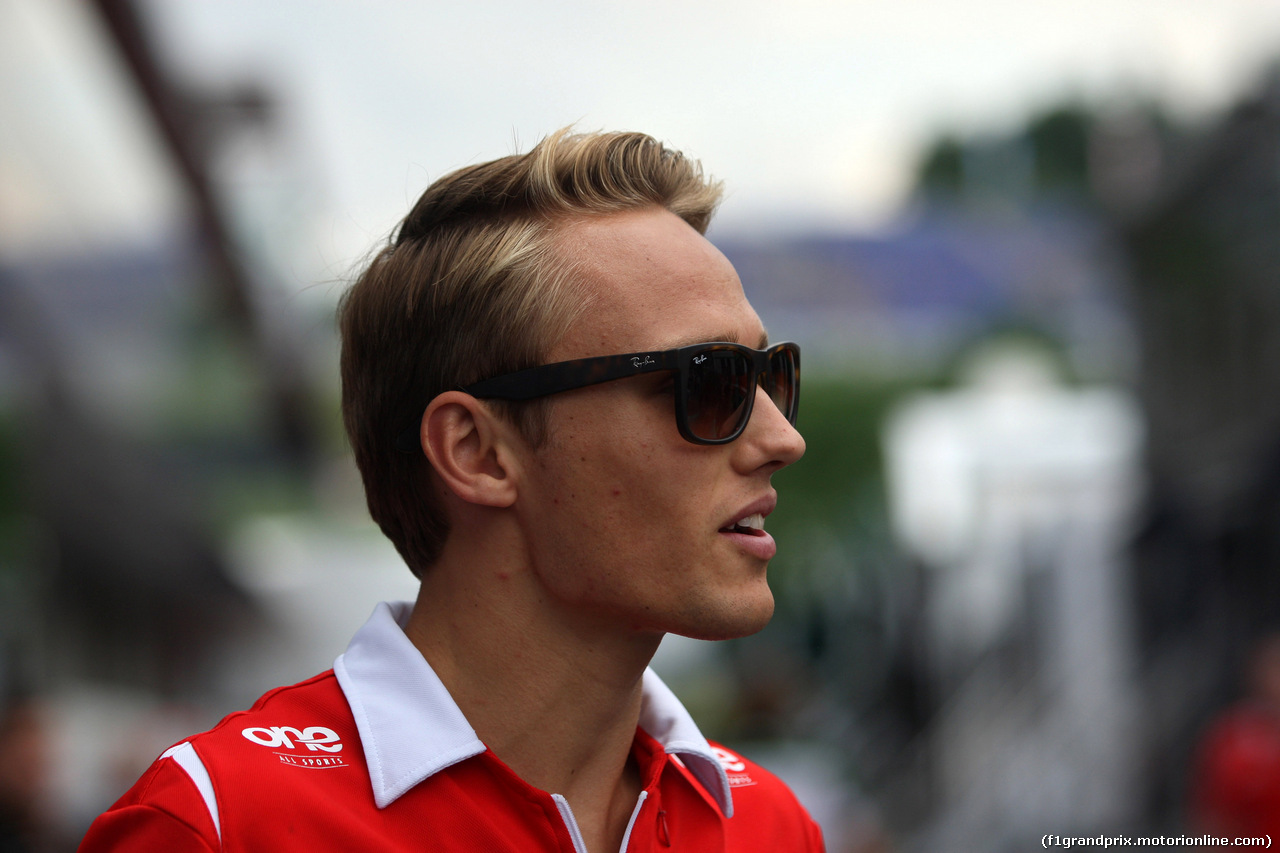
(727, 336)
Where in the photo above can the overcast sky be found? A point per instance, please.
(813, 111)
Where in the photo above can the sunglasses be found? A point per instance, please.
(715, 383)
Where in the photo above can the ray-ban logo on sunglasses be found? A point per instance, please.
(636, 361)
(698, 359)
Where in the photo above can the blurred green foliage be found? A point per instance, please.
(1058, 140)
(836, 492)
(941, 170)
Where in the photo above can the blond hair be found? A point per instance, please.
(471, 286)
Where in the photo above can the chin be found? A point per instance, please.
(741, 619)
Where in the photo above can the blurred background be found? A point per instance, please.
(1029, 567)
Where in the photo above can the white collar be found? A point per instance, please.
(411, 728)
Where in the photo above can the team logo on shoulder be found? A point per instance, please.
(734, 767)
(313, 738)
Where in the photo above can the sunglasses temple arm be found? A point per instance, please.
(567, 375)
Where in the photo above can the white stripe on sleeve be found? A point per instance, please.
(187, 759)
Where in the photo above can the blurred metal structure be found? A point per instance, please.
(122, 578)
(191, 128)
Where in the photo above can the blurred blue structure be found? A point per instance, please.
(905, 302)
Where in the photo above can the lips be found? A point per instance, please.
(750, 518)
(747, 531)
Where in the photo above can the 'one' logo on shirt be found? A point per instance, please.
(313, 738)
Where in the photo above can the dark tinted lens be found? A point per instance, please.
(718, 390)
(781, 384)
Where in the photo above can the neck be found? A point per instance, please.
(553, 693)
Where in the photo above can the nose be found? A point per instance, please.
(769, 439)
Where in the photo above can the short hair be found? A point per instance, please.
(471, 285)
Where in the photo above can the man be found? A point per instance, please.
(566, 423)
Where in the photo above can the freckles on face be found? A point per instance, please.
(621, 515)
(609, 494)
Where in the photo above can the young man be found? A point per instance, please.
(566, 419)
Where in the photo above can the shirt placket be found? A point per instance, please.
(575, 834)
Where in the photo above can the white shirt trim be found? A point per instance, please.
(571, 823)
(185, 756)
(411, 728)
(631, 824)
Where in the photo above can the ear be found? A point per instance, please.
(471, 449)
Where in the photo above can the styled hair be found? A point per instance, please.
(472, 285)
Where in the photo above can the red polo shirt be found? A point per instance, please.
(376, 755)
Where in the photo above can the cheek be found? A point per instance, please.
(619, 507)
(618, 471)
